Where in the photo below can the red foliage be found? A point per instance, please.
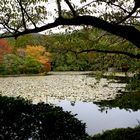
(47, 66)
(5, 48)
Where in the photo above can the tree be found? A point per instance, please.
(119, 17)
(21, 119)
(85, 50)
(13, 64)
(30, 39)
(31, 65)
(5, 48)
(41, 55)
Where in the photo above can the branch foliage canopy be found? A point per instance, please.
(119, 17)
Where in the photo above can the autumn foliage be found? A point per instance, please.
(36, 53)
(40, 54)
(5, 48)
(28, 60)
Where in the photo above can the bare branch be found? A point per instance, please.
(136, 6)
(86, 5)
(137, 3)
(116, 5)
(29, 18)
(6, 25)
(22, 12)
(35, 30)
(71, 8)
(9, 28)
(127, 32)
(128, 16)
(59, 8)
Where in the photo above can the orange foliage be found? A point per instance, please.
(5, 48)
(35, 51)
(39, 53)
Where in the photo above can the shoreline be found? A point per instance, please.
(121, 74)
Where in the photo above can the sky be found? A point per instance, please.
(51, 6)
(101, 9)
(52, 15)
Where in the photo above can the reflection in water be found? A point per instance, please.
(99, 120)
(72, 103)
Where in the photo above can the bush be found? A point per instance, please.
(119, 134)
(134, 83)
(20, 119)
(32, 66)
(12, 64)
(2, 69)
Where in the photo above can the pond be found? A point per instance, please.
(98, 120)
(100, 105)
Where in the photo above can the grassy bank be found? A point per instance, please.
(119, 134)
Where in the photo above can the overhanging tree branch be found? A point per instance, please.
(129, 33)
(112, 52)
(28, 31)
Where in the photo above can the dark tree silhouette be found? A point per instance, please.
(20, 119)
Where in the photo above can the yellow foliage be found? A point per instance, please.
(35, 51)
(40, 54)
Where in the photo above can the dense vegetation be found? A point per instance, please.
(20, 119)
(128, 101)
(85, 49)
(91, 49)
(119, 134)
(27, 60)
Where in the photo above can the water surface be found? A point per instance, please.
(98, 121)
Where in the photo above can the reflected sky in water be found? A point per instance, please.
(98, 121)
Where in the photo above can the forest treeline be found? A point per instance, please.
(82, 50)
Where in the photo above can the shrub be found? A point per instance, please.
(119, 134)
(32, 66)
(2, 69)
(12, 64)
(21, 119)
